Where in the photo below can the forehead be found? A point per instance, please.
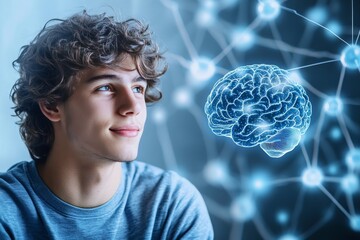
(124, 65)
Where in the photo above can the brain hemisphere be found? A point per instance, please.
(253, 103)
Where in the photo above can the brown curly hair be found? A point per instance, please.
(48, 64)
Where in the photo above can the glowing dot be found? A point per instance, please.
(350, 183)
(243, 38)
(355, 223)
(350, 57)
(183, 97)
(268, 9)
(335, 133)
(335, 27)
(333, 169)
(317, 14)
(353, 159)
(202, 69)
(258, 182)
(288, 237)
(205, 16)
(242, 208)
(296, 77)
(215, 172)
(312, 177)
(159, 115)
(282, 217)
(333, 106)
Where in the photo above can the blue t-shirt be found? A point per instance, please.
(149, 204)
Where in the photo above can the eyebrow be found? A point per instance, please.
(112, 77)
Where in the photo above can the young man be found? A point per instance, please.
(81, 98)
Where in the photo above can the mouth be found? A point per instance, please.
(126, 131)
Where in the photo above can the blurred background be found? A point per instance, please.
(310, 193)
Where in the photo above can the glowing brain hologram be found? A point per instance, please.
(259, 105)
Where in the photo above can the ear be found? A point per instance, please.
(50, 110)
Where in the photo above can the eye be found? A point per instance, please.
(138, 89)
(105, 88)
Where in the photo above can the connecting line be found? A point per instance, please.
(357, 38)
(317, 138)
(350, 203)
(323, 189)
(223, 44)
(167, 149)
(314, 64)
(226, 50)
(285, 180)
(236, 231)
(270, 43)
(184, 34)
(314, 90)
(345, 131)
(352, 22)
(277, 36)
(264, 233)
(307, 19)
(341, 80)
(307, 159)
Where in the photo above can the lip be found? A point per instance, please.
(126, 131)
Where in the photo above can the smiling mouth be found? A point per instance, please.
(126, 132)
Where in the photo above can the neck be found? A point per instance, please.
(80, 183)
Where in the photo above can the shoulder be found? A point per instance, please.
(175, 199)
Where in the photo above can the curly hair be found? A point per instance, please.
(49, 63)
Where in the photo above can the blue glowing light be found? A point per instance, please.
(215, 172)
(335, 27)
(259, 104)
(243, 208)
(335, 133)
(243, 38)
(333, 106)
(355, 223)
(205, 17)
(282, 217)
(268, 9)
(202, 69)
(350, 183)
(353, 158)
(350, 57)
(317, 14)
(312, 177)
(289, 237)
(182, 98)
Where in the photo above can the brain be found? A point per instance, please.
(259, 104)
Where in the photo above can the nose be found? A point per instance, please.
(128, 104)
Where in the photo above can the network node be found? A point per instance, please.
(289, 237)
(335, 27)
(268, 9)
(355, 223)
(312, 177)
(317, 14)
(243, 208)
(243, 38)
(183, 98)
(259, 183)
(353, 159)
(350, 183)
(205, 17)
(215, 172)
(202, 69)
(159, 115)
(282, 217)
(333, 106)
(335, 133)
(350, 57)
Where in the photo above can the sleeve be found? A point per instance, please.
(188, 217)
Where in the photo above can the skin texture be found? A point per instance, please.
(96, 129)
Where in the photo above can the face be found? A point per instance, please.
(104, 117)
